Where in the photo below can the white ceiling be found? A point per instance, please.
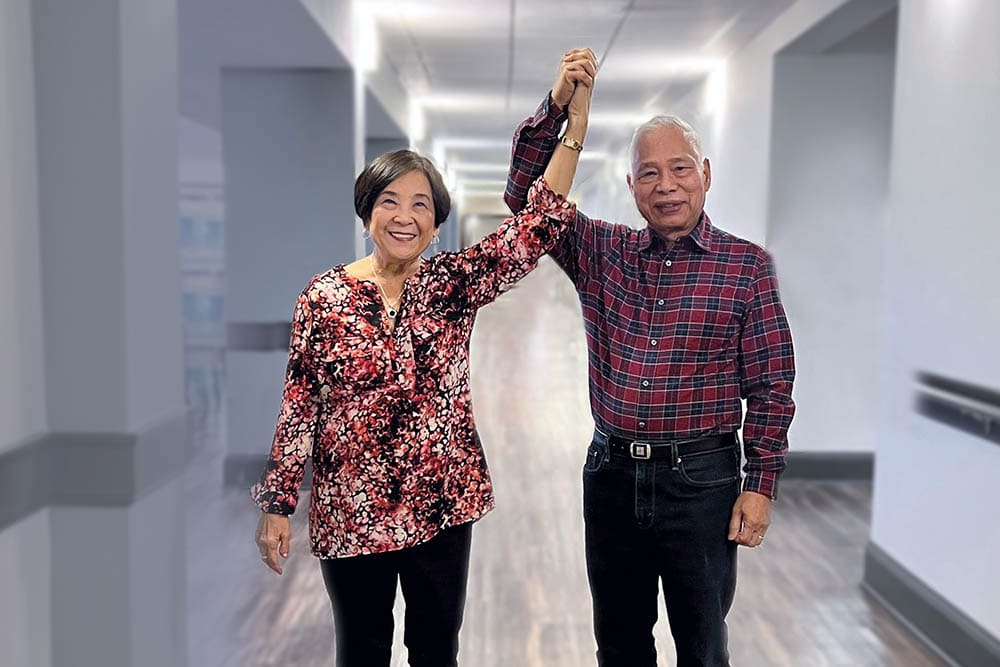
(479, 67)
(475, 68)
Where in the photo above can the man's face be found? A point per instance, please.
(668, 183)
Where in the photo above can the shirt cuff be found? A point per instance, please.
(548, 119)
(552, 109)
(764, 482)
(270, 501)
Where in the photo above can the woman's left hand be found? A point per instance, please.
(578, 109)
(274, 532)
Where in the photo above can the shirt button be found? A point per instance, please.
(661, 302)
(669, 263)
(645, 383)
(653, 343)
(642, 424)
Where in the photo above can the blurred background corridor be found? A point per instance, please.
(172, 172)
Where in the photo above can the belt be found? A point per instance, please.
(665, 449)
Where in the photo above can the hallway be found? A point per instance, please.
(798, 603)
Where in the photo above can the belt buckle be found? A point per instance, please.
(640, 450)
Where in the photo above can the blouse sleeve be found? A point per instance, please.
(277, 491)
(503, 257)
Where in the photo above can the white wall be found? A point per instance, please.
(199, 155)
(288, 150)
(739, 130)
(106, 97)
(149, 172)
(289, 158)
(935, 508)
(828, 193)
(79, 144)
(22, 375)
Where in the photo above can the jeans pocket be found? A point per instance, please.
(711, 468)
(597, 455)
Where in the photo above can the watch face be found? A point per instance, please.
(570, 142)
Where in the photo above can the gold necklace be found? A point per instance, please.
(390, 305)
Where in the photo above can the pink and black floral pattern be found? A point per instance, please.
(385, 412)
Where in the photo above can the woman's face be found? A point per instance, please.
(402, 220)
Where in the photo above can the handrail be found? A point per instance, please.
(968, 407)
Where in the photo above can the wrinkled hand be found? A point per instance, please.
(577, 66)
(750, 519)
(274, 532)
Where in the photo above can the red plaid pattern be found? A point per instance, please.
(676, 337)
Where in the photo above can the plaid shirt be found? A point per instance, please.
(676, 337)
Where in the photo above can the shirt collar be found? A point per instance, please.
(701, 236)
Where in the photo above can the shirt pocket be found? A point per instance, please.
(708, 318)
(436, 337)
(353, 362)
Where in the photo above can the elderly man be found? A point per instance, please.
(682, 320)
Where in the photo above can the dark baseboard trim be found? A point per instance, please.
(944, 627)
(61, 469)
(829, 466)
(258, 336)
(241, 471)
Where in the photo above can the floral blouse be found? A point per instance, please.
(385, 411)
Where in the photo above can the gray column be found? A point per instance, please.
(106, 93)
(375, 146)
(289, 152)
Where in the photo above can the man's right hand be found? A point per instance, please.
(577, 66)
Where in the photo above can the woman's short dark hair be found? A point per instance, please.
(386, 168)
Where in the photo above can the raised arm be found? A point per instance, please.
(575, 84)
(491, 266)
(485, 270)
(535, 140)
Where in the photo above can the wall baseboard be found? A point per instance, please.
(829, 466)
(243, 470)
(945, 628)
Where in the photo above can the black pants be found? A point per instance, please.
(652, 522)
(433, 579)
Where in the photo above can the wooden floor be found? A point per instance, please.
(798, 600)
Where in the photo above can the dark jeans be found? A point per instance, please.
(433, 579)
(660, 521)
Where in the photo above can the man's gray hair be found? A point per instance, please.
(656, 122)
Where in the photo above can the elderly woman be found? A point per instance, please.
(377, 391)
